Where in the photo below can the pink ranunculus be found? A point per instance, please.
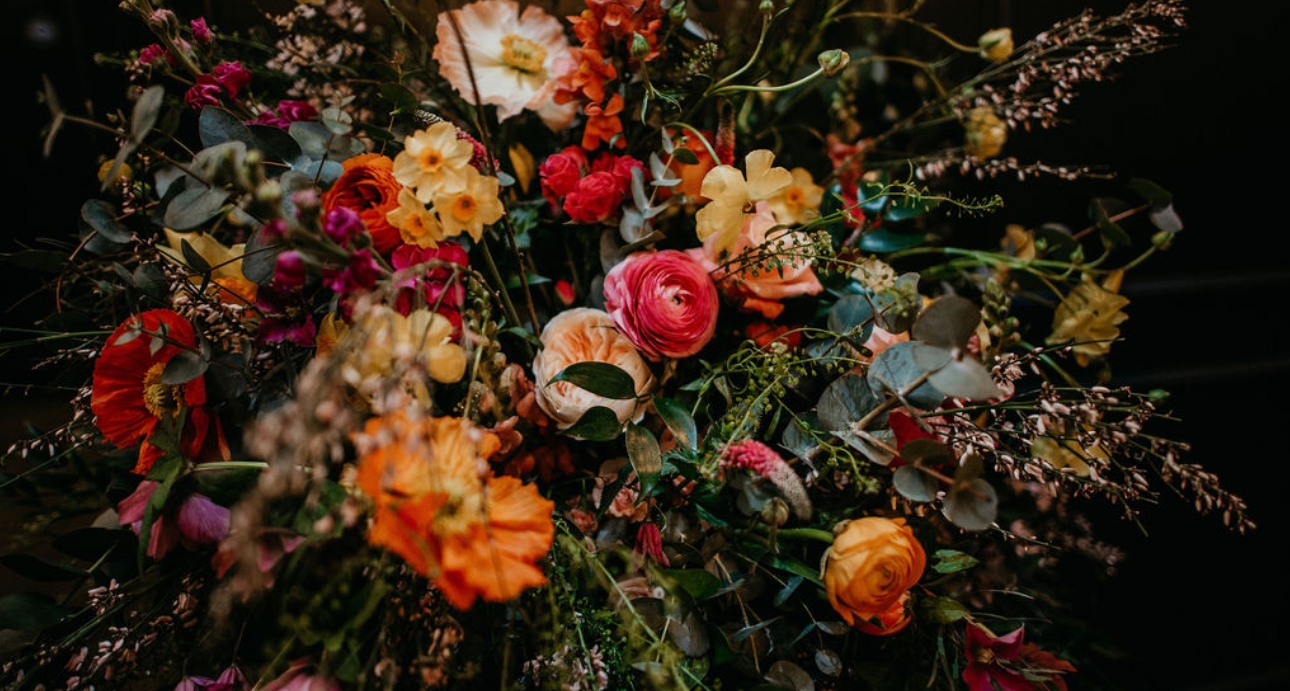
(232, 76)
(761, 290)
(596, 198)
(664, 302)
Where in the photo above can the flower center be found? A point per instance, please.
(794, 198)
(463, 208)
(523, 54)
(160, 399)
(431, 159)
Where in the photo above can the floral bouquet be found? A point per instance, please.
(626, 344)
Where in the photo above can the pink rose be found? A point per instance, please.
(585, 334)
(596, 198)
(561, 172)
(759, 289)
(662, 301)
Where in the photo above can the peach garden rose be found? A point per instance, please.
(586, 334)
(662, 301)
(868, 572)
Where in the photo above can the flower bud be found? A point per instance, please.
(677, 11)
(995, 44)
(775, 512)
(639, 47)
(986, 133)
(833, 61)
(766, 6)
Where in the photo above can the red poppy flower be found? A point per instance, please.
(128, 398)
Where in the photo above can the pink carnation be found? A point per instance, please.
(664, 302)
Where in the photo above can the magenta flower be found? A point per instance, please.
(664, 302)
(201, 32)
(231, 679)
(991, 660)
(198, 521)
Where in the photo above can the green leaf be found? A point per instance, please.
(914, 483)
(852, 313)
(277, 146)
(967, 379)
(29, 612)
(698, 583)
(890, 240)
(600, 378)
(400, 97)
(906, 208)
(101, 216)
(1158, 197)
(684, 155)
(597, 424)
(1100, 211)
(679, 421)
(184, 367)
(896, 369)
(219, 125)
(643, 452)
(1166, 219)
(952, 561)
(943, 610)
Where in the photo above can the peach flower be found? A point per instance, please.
(761, 289)
(662, 301)
(868, 572)
(586, 334)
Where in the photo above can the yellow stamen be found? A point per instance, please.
(463, 208)
(523, 54)
(160, 399)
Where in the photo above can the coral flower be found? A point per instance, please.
(515, 58)
(664, 302)
(433, 160)
(368, 187)
(128, 398)
(469, 209)
(437, 505)
(731, 196)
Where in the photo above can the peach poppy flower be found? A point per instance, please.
(469, 209)
(732, 195)
(438, 505)
(760, 289)
(368, 187)
(516, 59)
(127, 396)
(433, 160)
(586, 334)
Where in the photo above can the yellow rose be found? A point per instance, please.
(868, 572)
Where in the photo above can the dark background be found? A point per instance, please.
(1194, 607)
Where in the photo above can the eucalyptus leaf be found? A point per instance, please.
(790, 676)
(101, 216)
(276, 146)
(644, 454)
(904, 208)
(948, 322)
(184, 367)
(193, 258)
(600, 378)
(895, 369)
(846, 400)
(885, 239)
(400, 97)
(1158, 197)
(899, 305)
(679, 422)
(194, 208)
(216, 125)
(967, 379)
(833, 627)
(972, 505)
(697, 583)
(1166, 219)
(828, 662)
(1101, 211)
(852, 313)
(915, 483)
(683, 155)
(146, 110)
(690, 635)
(260, 256)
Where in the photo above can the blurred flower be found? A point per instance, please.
(302, 675)
(1088, 318)
(197, 520)
(869, 569)
(231, 679)
(800, 201)
(514, 58)
(986, 133)
(129, 398)
(663, 301)
(438, 506)
(585, 334)
(368, 187)
(383, 343)
(996, 44)
(991, 660)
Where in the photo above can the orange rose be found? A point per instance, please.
(367, 186)
(868, 572)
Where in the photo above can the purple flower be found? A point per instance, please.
(198, 521)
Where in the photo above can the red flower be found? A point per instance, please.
(367, 186)
(128, 398)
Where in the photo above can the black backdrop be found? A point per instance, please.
(1194, 607)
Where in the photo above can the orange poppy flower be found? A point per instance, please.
(368, 187)
(128, 398)
(438, 505)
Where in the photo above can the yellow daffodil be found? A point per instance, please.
(469, 209)
(800, 201)
(417, 224)
(382, 343)
(433, 161)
